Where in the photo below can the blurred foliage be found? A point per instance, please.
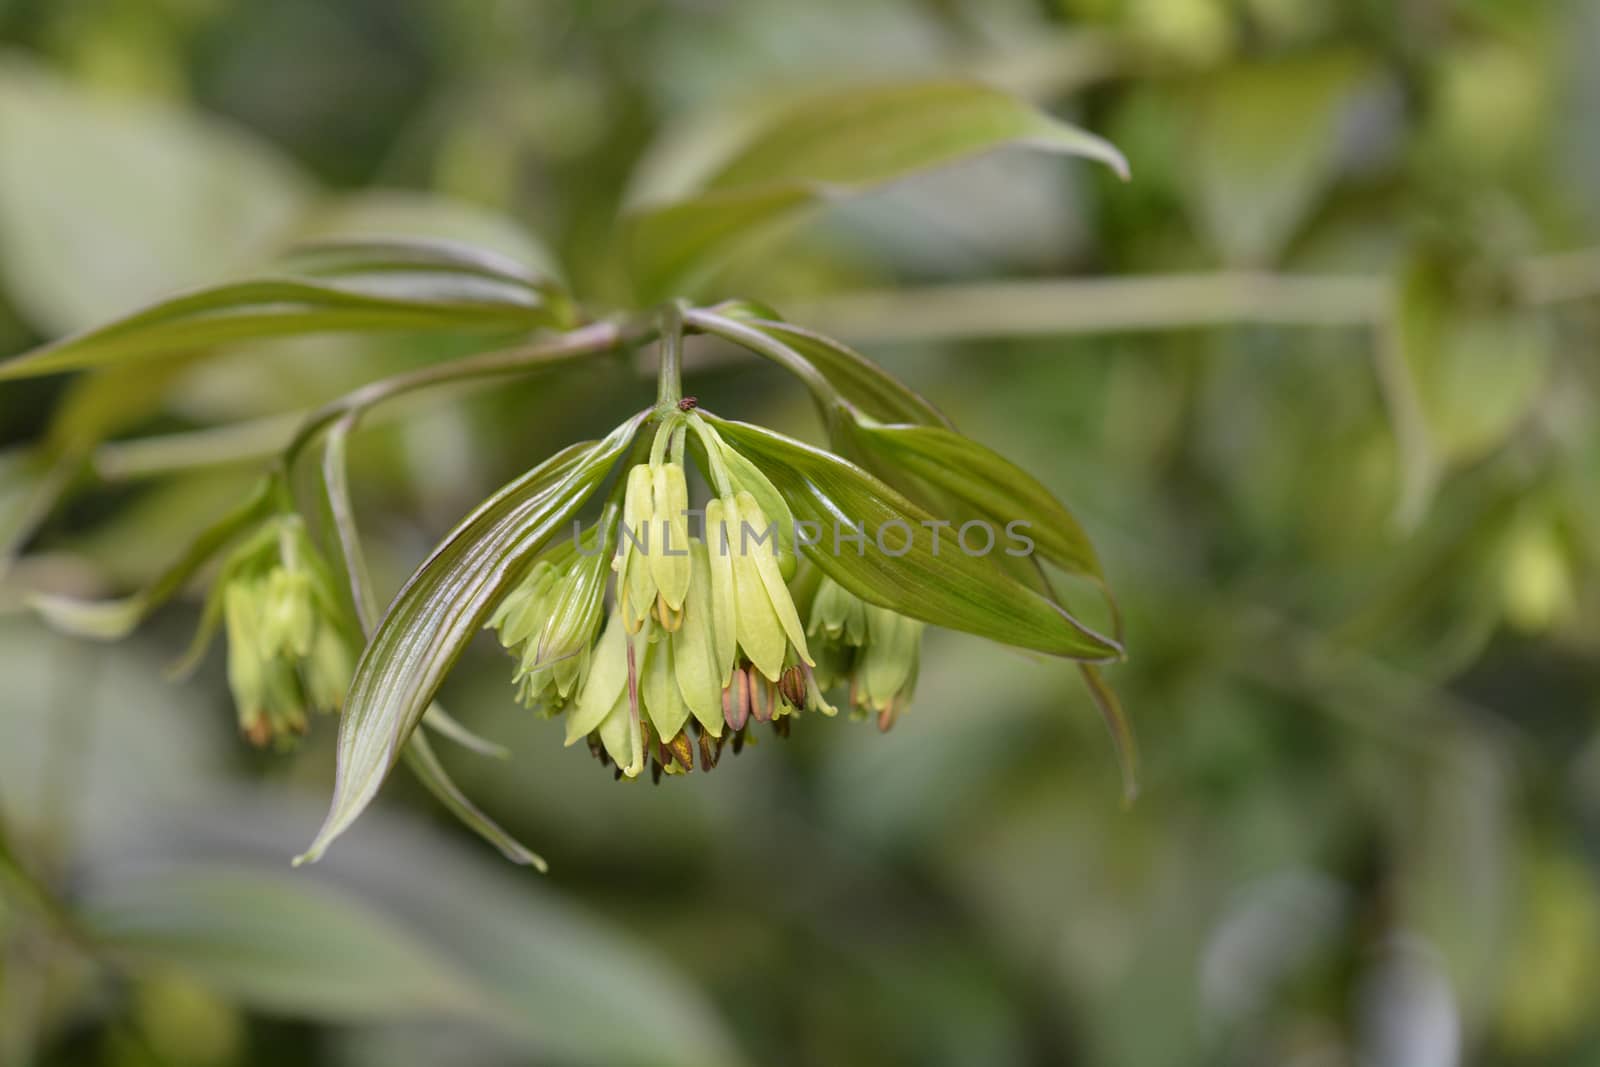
(1353, 526)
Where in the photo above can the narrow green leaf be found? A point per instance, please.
(449, 727)
(935, 581)
(424, 763)
(672, 243)
(1123, 738)
(282, 307)
(862, 136)
(873, 390)
(109, 200)
(441, 607)
(992, 485)
(1261, 147)
(112, 620)
(833, 147)
(276, 943)
(339, 257)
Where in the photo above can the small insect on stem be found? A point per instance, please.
(688, 403)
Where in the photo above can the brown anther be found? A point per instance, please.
(886, 718)
(616, 775)
(738, 742)
(736, 701)
(682, 751)
(780, 725)
(792, 684)
(688, 403)
(709, 751)
(258, 733)
(655, 773)
(761, 692)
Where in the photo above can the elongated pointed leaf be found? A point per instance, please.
(109, 200)
(289, 306)
(833, 147)
(339, 257)
(424, 763)
(279, 944)
(450, 728)
(673, 243)
(112, 620)
(873, 390)
(444, 603)
(995, 487)
(942, 585)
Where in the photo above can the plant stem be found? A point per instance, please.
(1064, 306)
(336, 484)
(578, 344)
(830, 403)
(669, 383)
(1100, 305)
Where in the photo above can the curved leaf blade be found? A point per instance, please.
(280, 944)
(837, 146)
(942, 584)
(670, 244)
(441, 607)
(340, 256)
(286, 306)
(112, 620)
(869, 387)
(424, 763)
(992, 485)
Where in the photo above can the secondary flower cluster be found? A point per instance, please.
(704, 635)
(291, 646)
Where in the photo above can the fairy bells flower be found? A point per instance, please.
(291, 646)
(874, 651)
(549, 622)
(696, 650)
(652, 563)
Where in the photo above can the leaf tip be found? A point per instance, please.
(109, 620)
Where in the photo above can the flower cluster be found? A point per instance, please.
(703, 636)
(291, 645)
(874, 651)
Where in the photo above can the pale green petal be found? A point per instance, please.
(620, 739)
(747, 477)
(724, 598)
(534, 609)
(577, 605)
(669, 533)
(890, 660)
(694, 652)
(608, 677)
(761, 635)
(658, 690)
(768, 571)
(288, 620)
(636, 586)
(246, 668)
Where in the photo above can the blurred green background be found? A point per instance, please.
(1334, 432)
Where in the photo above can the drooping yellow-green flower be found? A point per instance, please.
(291, 645)
(872, 650)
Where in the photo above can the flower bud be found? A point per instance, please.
(577, 607)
